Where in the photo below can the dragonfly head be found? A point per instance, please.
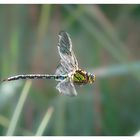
(91, 78)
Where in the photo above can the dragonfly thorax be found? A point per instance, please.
(82, 77)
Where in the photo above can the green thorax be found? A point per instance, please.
(80, 77)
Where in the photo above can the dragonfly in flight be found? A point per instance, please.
(68, 74)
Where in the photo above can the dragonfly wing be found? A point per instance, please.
(61, 70)
(67, 88)
(68, 59)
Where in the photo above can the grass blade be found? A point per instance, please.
(44, 122)
(17, 112)
(116, 70)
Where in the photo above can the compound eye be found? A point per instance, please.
(93, 77)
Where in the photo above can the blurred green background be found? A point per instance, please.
(106, 40)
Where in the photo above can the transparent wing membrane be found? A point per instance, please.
(68, 59)
(66, 87)
(61, 70)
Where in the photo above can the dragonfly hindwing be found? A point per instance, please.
(66, 87)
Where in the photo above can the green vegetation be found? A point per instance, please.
(105, 41)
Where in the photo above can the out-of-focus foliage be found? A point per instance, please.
(106, 40)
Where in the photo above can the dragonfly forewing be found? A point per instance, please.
(61, 69)
(68, 59)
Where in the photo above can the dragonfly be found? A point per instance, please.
(68, 74)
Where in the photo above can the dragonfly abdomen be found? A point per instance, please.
(36, 76)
